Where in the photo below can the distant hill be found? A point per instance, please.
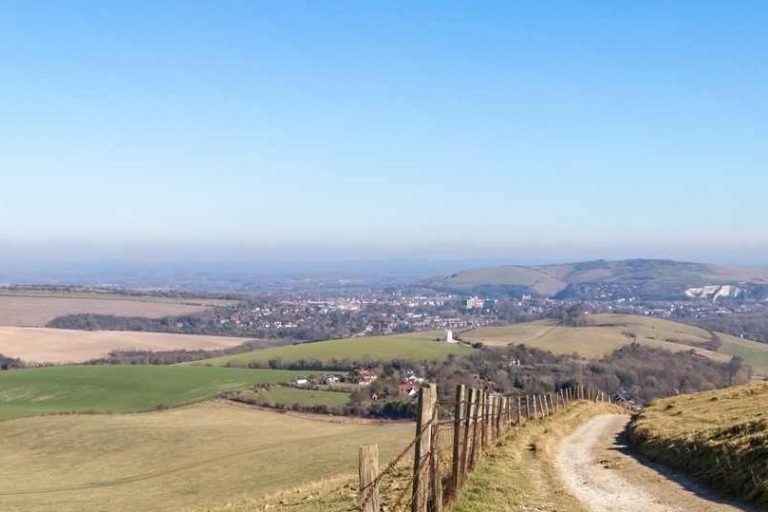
(604, 333)
(612, 279)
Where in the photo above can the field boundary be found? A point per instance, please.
(451, 438)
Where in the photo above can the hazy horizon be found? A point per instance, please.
(263, 131)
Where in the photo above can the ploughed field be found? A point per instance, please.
(719, 437)
(604, 333)
(42, 345)
(37, 308)
(121, 389)
(190, 458)
(413, 346)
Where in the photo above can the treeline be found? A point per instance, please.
(338, 325)
(753, 326)
(182, 356)
(385, 409)
(637, 372)
(184, 324)
(9, 363)
(633, 372)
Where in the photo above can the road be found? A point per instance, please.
(603, 474)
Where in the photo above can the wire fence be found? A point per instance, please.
(451, 437)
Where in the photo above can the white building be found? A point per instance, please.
(449, 336)
(475, 303)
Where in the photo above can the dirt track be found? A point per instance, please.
(597, 468)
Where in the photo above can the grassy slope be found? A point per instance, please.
(609, 332)
(720, 437)
(119, 388)
(184, 459)
(406, 346)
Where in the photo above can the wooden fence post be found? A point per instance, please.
(458, 421)
(486, 420)
(368, 466)
(477, 405)
(435, 480)
(423, 447)
(499, 415)
(468, 425)
(535, 408)
(519, 411)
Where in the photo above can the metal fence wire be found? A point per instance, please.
(451, 437)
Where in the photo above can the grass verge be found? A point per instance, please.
(519, 474)
(718, 437)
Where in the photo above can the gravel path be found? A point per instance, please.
(597, 468)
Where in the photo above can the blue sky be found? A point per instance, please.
(321, 130)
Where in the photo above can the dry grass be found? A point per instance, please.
(605, 333)
(719, 437)
(520, 474)
(40, 345)
(27, 309)
(191, 458)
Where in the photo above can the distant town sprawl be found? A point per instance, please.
(400, 310)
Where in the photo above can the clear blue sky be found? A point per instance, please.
(377, 129)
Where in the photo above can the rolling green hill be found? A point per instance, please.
(415, 346)
(648, 277)
(605, 333)
(120, 389)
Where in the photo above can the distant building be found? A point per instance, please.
(475, 303)
(449, 336)
(366, 377)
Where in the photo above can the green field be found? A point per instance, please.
(415, 346)
(120, 389)
(188, 458)
(287, 395)
(604, 333)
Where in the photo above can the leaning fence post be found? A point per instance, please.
(424, 418)
(369, 470)
(458, 420)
